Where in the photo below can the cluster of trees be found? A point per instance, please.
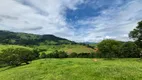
(62, 54)
(112, 48)
(15, 56)
(115, 49)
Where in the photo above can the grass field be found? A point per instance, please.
(75, 69)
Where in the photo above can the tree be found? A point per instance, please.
(129, 50)
(16, 56)
(109, 48)
(136, 34)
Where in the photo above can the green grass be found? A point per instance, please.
(9, 46)
(67, 48)
(75, 69)
(77, 49)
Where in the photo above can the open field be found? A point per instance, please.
(75, 69)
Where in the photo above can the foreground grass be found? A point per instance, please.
(75, 69)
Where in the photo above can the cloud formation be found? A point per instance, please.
(112, 19)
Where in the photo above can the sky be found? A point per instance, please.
(76, 20)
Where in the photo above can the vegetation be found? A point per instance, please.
(109, 48)
(136, 34)
(14, 38)
(129, 50)
(75, 69)
(115, 49)
(17, 56)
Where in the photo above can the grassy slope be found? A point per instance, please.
(77, 49)
(75, 69)
(8, 46)
(67, 48)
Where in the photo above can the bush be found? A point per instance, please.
(129, 50)
(72, 55)
(83, 55)
(43, 55)
(62, 54)
(54, 55)
(57, 54)
(109, 48)
(36, 52)
(17, 56)
(92, 55)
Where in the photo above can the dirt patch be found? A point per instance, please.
(95, 60)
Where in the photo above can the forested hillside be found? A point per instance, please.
(7, 37)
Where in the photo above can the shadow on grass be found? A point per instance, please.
(139, 60)
(6, 67)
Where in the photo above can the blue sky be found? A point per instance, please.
(77, 20)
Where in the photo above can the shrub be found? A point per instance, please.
(92, 55)
(62, 54)
(53, 55)
(83, 55)
(17, 56)
(43, 55)
(72, 55)
(36, 52)
(57, 54)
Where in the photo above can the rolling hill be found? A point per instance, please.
(49, 43)
(16, 38)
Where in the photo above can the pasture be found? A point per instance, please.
(75, 69)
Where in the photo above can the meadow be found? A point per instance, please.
(76, 69)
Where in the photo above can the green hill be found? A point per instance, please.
(7, 37)
(50, 43)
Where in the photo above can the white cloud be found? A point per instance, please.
(36, 16)
(48, 17)
(113, 23)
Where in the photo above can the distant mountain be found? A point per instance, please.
(7, 37)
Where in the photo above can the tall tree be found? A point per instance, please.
(136, 34)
